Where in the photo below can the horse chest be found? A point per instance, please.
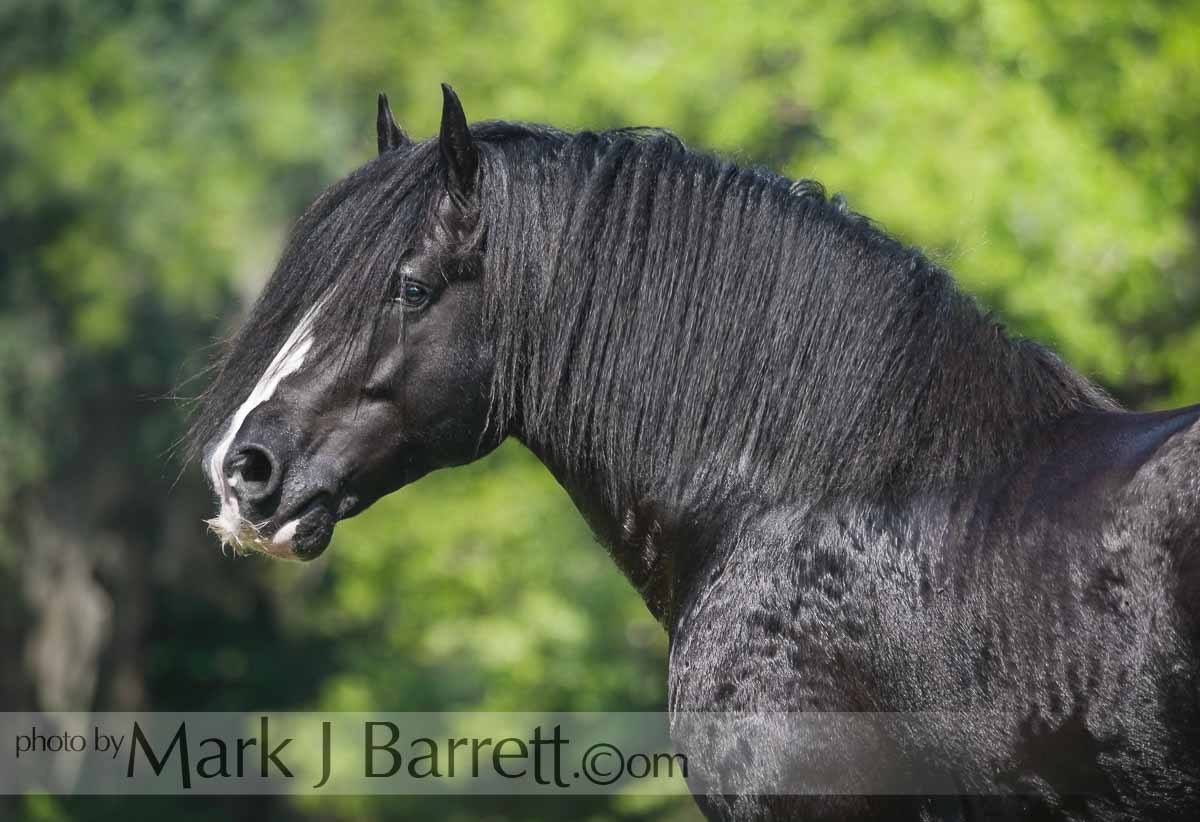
(798, 614)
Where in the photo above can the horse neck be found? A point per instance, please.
(842, 364)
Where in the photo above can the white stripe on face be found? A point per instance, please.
(229, 524)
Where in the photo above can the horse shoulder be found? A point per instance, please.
(782, 635)
(783, 612)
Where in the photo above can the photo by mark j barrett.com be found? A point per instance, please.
(164, 753)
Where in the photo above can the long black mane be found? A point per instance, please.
(666, 319)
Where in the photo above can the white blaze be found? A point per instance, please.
(229, 524)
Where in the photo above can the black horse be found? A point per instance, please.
(836, 482)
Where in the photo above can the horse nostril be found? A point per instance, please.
(252, 472)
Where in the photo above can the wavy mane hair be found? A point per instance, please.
(665, 319)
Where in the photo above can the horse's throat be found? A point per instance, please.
(635, 534)
(642, 552)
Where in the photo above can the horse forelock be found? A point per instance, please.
(341, 254)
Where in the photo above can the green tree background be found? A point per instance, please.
(153, 153)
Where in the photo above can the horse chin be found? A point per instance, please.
(304, 538)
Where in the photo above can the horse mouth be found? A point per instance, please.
(305, 534)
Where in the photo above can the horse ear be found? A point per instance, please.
(387, 132)
(458, 149)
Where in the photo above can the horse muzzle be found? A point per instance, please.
(266, 504)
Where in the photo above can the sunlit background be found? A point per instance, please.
(152, 155)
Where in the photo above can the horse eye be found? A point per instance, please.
(413, 294)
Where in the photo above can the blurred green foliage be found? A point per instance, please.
(152, 155)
